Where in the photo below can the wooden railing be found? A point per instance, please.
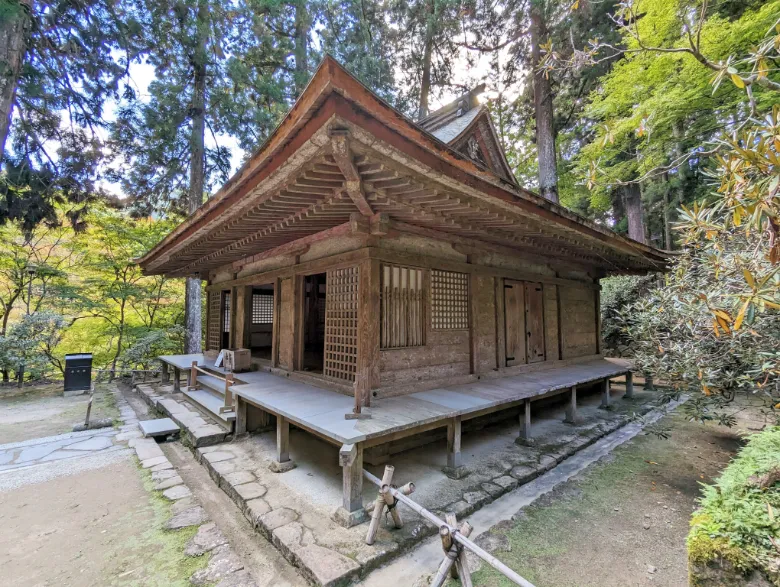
(454, 538)
(228, 379)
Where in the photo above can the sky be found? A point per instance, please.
(464, 74)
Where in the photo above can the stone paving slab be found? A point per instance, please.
(158, 427)
(197, 428)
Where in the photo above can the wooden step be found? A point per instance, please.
(210, 402)
(212, 384)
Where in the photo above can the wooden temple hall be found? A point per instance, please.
(389, 278)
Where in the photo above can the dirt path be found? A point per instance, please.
(99, 527)
(623, 522)
(41, 410)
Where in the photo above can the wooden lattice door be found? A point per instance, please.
(214, 336)
(341, 324)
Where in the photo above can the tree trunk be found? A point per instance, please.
(632, 199)
(120, 340)
(668, 240)
(301, 47)
(14, 28)
(192, 297)
(543, 108)
(425, 84)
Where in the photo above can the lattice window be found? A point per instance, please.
(402, 320)
(226, 312)
(262, 308)
(341, 324)
(449, 300)
(215, 305)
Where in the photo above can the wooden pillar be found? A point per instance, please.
(500, 323)
(367, 374)
(453, 443)
(165, 375)
(629, 386)
(297, 322)
(351, 511)
(275, 328)
(176, 379)
(283, 462)
(606, 399)
(571, 407)
(240, 337)
(241, 410)
(525, 424)
(473, 323)
(599, 341)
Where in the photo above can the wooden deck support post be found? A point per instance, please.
(454, 468)
(176, 380)
(193, 383)
(351, 512)
(241, 409)
(606, 398)
(165, 374)
(629, 386)
(571, 407)
(525, 437)
(282, 463)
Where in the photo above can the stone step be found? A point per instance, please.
(210, 402)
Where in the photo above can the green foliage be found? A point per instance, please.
(617, 293)
(30, 343)
(713, 326)
(656, 105)
(85, 294)
(76, 59)
(736, 518)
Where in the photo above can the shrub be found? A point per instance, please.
(733, 533)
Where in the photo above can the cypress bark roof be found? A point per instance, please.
(342, 152)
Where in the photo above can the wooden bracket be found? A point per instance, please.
(380, 224)
(353, 183)
(347, 454)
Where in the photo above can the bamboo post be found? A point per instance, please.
(452, 520)
(454, 555)
(379, 504)
(457, 536)
(391, 507)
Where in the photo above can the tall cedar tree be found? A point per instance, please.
(425, 49)
(161, 141)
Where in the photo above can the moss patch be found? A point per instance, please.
(737, 521)
(155, 557)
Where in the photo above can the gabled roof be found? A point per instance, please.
(341, 151)
(466, 126)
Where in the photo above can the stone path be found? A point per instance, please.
(43, 459)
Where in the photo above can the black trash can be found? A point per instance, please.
(78, 372)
